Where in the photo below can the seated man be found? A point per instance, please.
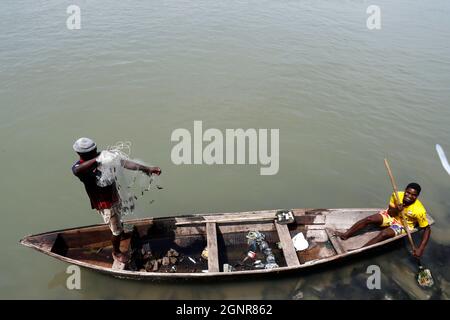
(106, 199)
(412, 210)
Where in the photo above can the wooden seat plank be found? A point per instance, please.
(335, 242)
(290, 255)
(213, 254)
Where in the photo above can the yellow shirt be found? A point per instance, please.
(415, 213)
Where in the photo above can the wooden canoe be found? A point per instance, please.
(224, 237)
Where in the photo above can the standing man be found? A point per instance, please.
(105, 200)
(410, 207)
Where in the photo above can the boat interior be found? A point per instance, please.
(224, 237)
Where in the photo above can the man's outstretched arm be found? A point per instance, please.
(130, 165)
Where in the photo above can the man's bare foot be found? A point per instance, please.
(341, 235)
(121, 257)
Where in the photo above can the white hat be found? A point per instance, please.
(84, 145)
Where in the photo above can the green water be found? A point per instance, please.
(344, 97)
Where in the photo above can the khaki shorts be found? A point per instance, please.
(113, 218)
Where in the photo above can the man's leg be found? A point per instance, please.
(376, 219)
(383, 235)
(115, 224)
(116, 242)
(113, 219)
(117, 254)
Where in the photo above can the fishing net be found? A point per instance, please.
(130, 184)
(424, 278)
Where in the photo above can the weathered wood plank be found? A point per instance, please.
(310, 219)
(213, 254)
(345, 219)
(246, 227)
(225, 216)
(290, 255)
(358, 241)
(226, 220)
(315, 227)
(299, 212)
(315, 252)
(190, 231)
(316, 235)
(335, 242)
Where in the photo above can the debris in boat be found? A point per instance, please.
(165, 261)
(168, 261)
(173, 260)
(227, 268)
(257, 239)
(193, 261)
(205, 254)
(152, 201)
(117, 265)
(250, 255)
(159, 187)
(205, 271)
(99, 250)
(172, 253)
(146, 254)
(252, 246)
(146, 247)
(285, 216)
(255, 235)
(300, 242)
(149, 265)
(263, 245)
(270, 259)
(270, 266)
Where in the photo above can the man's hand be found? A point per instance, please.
(417, 253)
(400, 207)
(153, 170)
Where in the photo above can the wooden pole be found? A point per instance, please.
(397, 202)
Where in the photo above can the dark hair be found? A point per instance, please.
(414, 186)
